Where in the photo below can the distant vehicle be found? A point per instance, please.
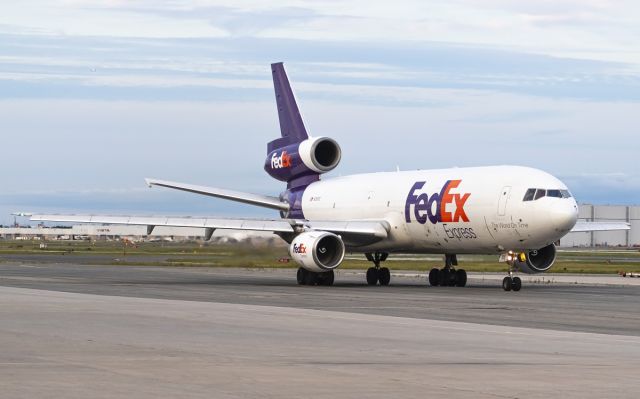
(515, 212)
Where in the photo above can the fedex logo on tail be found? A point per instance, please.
(443, 207)
(280, 161)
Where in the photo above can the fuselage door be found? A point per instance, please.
(502, 202)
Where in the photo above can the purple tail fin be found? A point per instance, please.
(294, 157)
(284, 161)
(291, 126)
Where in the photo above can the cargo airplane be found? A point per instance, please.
(517, 213)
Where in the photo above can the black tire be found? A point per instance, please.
(434, 277)
(461, 278)
(506, 283)
(445, 277)
(384, 276)
(301, 276)
(327, 278)
(311, 278)
(372, 276)
(516, 284)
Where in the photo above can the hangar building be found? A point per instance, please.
(607, 213)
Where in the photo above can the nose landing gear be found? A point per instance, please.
(378, 274)
(511, 283)
(448, 276)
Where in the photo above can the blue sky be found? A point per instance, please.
(97, 95)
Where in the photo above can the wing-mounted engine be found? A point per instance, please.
(317, 251)
(538, 261)
(309, 157)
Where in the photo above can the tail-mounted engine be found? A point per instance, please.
(317, 251)
(537, 261)
(311, 156)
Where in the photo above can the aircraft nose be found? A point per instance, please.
(564, 215)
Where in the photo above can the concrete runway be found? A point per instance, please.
(231, 333)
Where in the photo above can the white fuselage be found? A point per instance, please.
(480, 210)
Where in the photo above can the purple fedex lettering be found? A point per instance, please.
(434, 207)
(412, 199)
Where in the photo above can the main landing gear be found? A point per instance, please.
(306, 277)
(448, 276)
(378, 274)
(511, 283)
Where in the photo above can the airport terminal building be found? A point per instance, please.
(99, 232)
(597, 213)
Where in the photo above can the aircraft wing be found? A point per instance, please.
(208, 224)
(247, 198)
(584, 226)
(353, 232)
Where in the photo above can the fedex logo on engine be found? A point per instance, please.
(443, 207)
(280, 161)
(299, 249)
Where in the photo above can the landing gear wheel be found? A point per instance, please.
(378, 274)
(311, 278)
(446, 277)
(372, 276)
(461, 278)
(516, 284)
(327, 278)
(384, 276)
(434, 277)
(506, 283)
(301, 276)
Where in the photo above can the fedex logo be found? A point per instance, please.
(443, 207)
(281, 161)
(299, 249)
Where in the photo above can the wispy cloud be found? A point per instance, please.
(64, 66)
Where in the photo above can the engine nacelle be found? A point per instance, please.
(311, 156)
(317, 251)
(320, 154)
(538, 261)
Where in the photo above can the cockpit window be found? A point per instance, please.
(541, 192)
(533, 194)
(554, 193)
(528, 196)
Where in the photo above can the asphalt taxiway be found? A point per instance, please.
(117, 331)
(550, 302)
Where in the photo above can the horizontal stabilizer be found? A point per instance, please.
(247, 198)
(584, 226)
